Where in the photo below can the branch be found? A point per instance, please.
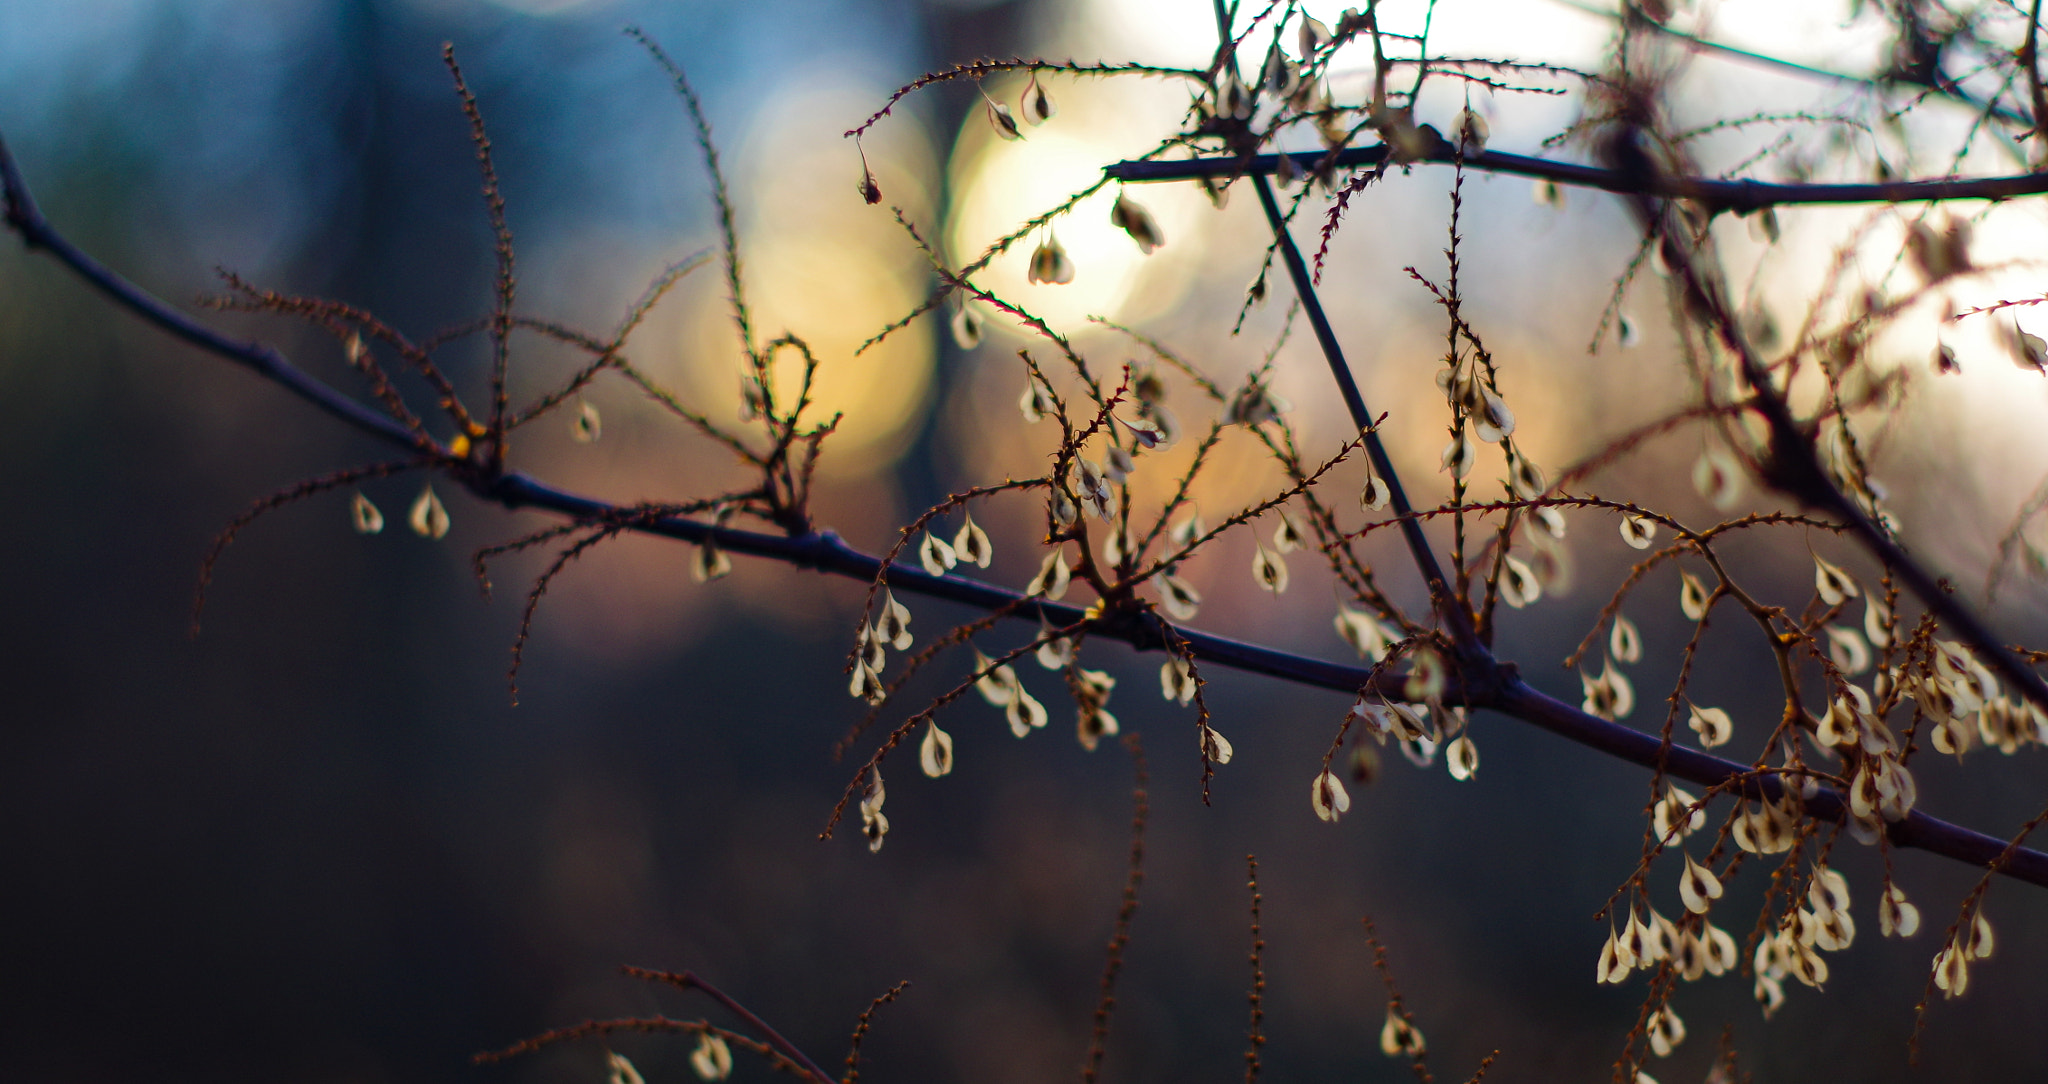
(1452, 609)
(1740, 196)
(1497, 687)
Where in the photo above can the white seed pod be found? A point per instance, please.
(1092, 725)
(1328, 797)
(1128, 215)
(1287, 536)
(1718, 478)
(1518, 583)
(1215, 747)
(1177, 680)
(1399, 1038)
(1896, 916)
(1638, 531)
(966, 327)
(1692, 596)
(363, 515)
(892, 622)
(1373, 495)
(1005, 124)
(1698, 887)
(1624, 642)
(1024, 712)
(935, 753)
(1037, 104)
(709, 563)
(936, 556)
(587, 427)
(972, 545)
(428, 517)
(1179, 597)
(1712, 725)
(1268, 571)
(1053, 576)
(712, 1060)
(1461, 757)
(1833, 583)
(1050, 264)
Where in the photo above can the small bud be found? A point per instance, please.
(353, 349)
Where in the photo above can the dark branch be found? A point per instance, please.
(1497, 687)
(1739, 196)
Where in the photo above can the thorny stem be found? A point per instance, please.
(689, 980)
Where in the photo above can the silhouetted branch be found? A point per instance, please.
(1497, 687)
(1740, 196)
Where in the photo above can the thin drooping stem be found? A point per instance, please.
(688, 980)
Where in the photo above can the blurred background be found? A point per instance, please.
(316, 843)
